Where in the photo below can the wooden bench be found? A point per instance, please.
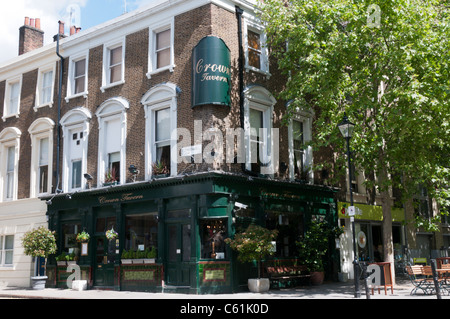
(281, 273)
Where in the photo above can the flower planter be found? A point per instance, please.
(38, 283)
(127, 261)
(259, 285)
(138, 261)
(149, 260)
(61, 263)
(317, 277)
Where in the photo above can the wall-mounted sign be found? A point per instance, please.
(211, 78)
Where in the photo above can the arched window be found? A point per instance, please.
(41, 133)
(75, 126)
(9, 163)
(160, 104)
(112, 121)
(261, 155)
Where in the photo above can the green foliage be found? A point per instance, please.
(393, 81)
(39, 242)
(315, 243)
(253, 244)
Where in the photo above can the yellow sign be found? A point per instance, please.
(214, 274)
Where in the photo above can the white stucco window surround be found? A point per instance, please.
(261, 101)
(161, 99)
(75, 127)
(112, 121)
(41, 134)
(9, 163)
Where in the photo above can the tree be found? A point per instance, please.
(384, 63)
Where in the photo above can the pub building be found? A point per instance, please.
(171, 139)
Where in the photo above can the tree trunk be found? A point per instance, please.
(388, 244)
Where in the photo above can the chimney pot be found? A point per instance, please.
(27, 21)
(38, 23)
(72, 30)
(61, 27)
(32, 23)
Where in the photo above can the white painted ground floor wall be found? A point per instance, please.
(16, 218)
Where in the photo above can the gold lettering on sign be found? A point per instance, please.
(203, 68)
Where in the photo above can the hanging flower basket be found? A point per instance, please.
(83, 237)
(111, 234)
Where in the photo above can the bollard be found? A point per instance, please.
(366, 281)
(435, 279)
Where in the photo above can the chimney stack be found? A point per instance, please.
(31, 36)
(60, 31)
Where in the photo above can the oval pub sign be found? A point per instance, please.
(211, 80)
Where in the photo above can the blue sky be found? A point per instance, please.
(91, 13)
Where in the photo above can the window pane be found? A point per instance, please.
(254, 40)
(116, 56)
(213, 234)
(80, 68)
(9, 242)
(9, 257)
(43, 179)
(163, 40)
(79, 85)
(254, 59)
(14, 98)
(162, 125)
(163, 58)
(141, 230)
(116, 74)
(47, 87)
(256, 122)
(11, 158)
(76, 174)
(43, 151)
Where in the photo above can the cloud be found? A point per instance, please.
(13, 14)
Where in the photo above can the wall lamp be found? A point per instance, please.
(89, 179)
(134, 171)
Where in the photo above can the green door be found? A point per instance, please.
(178, 252)
(104, 253)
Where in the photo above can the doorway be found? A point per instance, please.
(178, 252)
(104, 253)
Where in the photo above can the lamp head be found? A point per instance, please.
(346, 127)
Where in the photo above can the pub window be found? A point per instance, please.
(12, 98)
(69, 237)
(161, 48)
(43, 165)
(141, 232)
(290, 228)
(213, 234)
(162, 136)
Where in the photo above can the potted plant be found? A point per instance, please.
(254, 244)
(111, 234)
(61, 259)
(159, 169)
(83, 237)
(314, 246)
(127, 257)
(39, 243)
(150, 255)
(110, 177)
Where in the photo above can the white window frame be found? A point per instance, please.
(40, 129)
(258, 98)
(7, 101)
(3, 251)
(306, 118)
(9, 137)
(259, 29)
(40, 86)
(106, 81)
(71, 77)
(77, 119)
(110, 110)
(152, 56)
(158, 98)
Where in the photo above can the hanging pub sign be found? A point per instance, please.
(211, 78)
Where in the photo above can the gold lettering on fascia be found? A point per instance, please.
(125, 198)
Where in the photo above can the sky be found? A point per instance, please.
(84, 13)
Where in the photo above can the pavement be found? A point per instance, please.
(328, 290)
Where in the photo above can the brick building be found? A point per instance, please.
(173, 84)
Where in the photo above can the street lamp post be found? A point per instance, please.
(346, 127)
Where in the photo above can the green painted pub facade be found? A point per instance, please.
(186, 219)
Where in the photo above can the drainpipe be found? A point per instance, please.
(239, 13)
(58, 124)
